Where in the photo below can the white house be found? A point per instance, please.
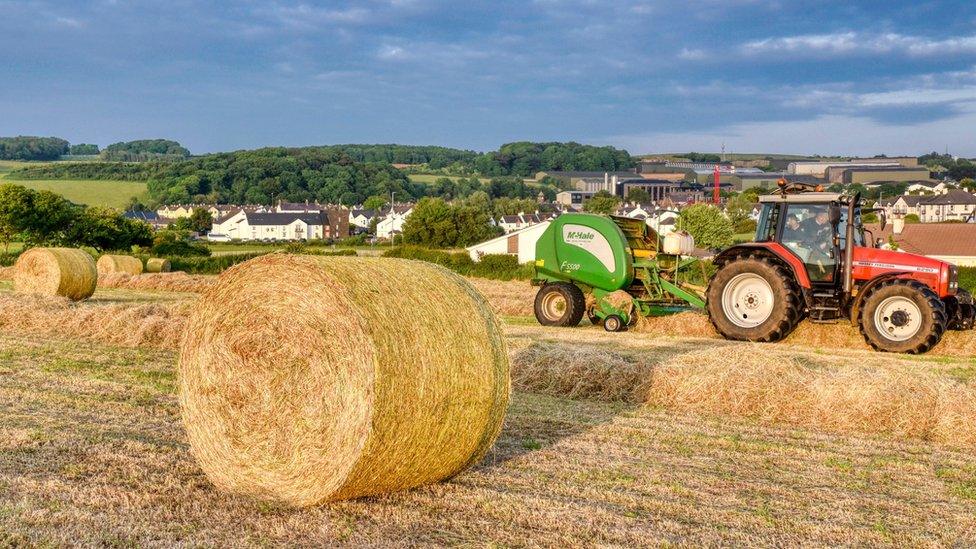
(392, 220)
(244, 225)
(955, 205)
(510, 223)
(520, 243)
(662, 221)
(361, 218)
(635, 211)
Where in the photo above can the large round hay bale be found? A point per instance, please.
(63, 272)
(111, 264)
(309, 379)
(158, 265)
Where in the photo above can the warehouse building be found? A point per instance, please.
(864, 175)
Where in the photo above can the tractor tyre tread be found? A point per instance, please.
(786, 291)
(922, 341)
(575, 304)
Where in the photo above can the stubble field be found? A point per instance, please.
(664, 436)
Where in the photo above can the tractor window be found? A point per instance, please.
(768, 223)
(808, 234)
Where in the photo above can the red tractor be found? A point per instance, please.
(811, 259)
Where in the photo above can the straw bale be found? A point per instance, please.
(65, 272)
(158, 265)
(309, 379)
(108, 264)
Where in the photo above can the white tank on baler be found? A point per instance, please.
(678, 243)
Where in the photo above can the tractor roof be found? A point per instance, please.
(803, 197)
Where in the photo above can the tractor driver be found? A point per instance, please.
(820, 239)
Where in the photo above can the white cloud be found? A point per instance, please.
(854, 43)
(692, 54)
(69, 22)
(833, 134)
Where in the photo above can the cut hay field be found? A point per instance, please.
(661, 437)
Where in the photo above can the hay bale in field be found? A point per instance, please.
(65, 272)
(158, 265)
(310, 379)
(110, 264)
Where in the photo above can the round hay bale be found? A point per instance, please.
(111, 264)
(306, 379)
(158, 265)
(65, 272)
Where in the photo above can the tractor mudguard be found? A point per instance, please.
(776, 250)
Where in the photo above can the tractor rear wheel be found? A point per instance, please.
(754, 299)
(902, 316)
(559, 304)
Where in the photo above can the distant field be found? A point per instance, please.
(430, 178)
(112, 194)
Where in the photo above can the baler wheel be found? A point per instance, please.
(613, 323)
(559, 304)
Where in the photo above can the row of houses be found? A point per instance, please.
(949, 205)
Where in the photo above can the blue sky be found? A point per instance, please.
(826, 77)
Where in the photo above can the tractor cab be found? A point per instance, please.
(814, 227)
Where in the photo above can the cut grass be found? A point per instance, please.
(92, 452)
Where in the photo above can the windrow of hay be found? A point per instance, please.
(760, 382)
(111, 264)
(167, 282)
(309, 379)
(7, 273)
(158, 265)
(509, 297)
(841, 335)
(65, 272)
(142, 325)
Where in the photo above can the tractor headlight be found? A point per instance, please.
(953, 278)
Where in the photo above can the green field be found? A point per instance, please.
(112, 194)
(430, 178)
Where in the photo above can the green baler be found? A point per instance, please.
(618, 261)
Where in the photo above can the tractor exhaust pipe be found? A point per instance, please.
(849, 245)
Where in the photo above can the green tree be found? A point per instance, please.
(15, 210)
(913, 218)
(375, 202)
(739, 208)
(639, 196)
(601, 203)
(708, 225)
(968, 183)
(84, 149)
(107, 229)
(435, 223)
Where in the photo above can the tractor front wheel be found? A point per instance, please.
(902, 316)
(559, 304)
(754, 299)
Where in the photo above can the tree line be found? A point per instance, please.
(44, 218)
(32, 148)
(144, 149)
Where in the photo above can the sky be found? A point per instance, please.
(824, 77)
